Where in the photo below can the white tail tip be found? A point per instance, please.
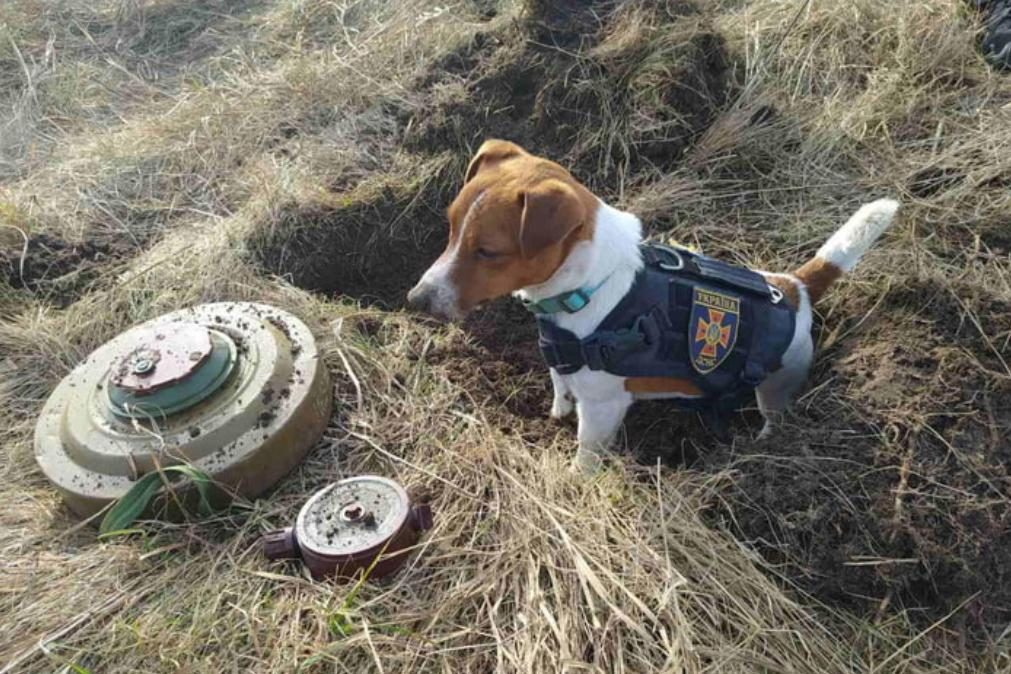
(845, 248)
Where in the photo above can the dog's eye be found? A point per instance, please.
(485, 254)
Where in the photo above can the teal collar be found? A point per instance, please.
(569, 302)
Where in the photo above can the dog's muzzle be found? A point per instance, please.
(420, 297)
(435, 300)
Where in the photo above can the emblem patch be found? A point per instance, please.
(712, 328)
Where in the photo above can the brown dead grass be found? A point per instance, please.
(160, 153)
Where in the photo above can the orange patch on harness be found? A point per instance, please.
(662, 385)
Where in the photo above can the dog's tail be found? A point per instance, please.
(845, 248)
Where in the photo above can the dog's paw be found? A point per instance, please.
(586, 464)
(562, 407)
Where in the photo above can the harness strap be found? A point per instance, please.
(738, 277)
(673, 260)
(566, 353)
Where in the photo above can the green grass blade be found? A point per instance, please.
(201, 480)
(130, 506)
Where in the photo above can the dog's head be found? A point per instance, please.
(512, 225)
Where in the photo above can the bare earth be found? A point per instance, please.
(161, 153)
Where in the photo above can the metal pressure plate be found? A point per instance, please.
(235, 389)
(161, 356)
(171, 369)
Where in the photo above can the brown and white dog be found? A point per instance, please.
(523, 225)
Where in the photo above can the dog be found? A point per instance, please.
(523, 225)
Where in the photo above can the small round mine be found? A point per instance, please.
(353, 517)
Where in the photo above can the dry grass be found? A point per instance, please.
(160, 153)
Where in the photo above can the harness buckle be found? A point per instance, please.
(556, 360)
(777, 294)
(678, 261)
(595, 352)
(680, 264)
(600, 350)
(647, 326)
(550, 353)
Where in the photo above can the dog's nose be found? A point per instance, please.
(420, 298)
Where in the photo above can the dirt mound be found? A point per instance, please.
(322, 141)
(607, 92)
(371, 244)
(887, 489)
(890, 490)
(501, 371)
(56, 269)
(615, 94)
(603, 91)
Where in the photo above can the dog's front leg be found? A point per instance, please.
(562, 405)
(599, 421)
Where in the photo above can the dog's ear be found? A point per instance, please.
(551, 212)
(490, 153)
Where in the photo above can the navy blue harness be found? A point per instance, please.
(686, 316)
